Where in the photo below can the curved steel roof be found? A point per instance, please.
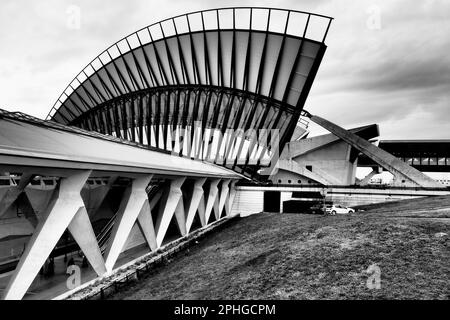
(229, 69)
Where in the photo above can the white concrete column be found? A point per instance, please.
(194, 200)
(216, 206)
(284, 196)
(129, 210)
(223, 196)
(180, 215)
(167, 208)
(201, 210)
(186, 141)
(211, 198)
(48, 232)
(145, 223)
(81, 229)
(230, 199)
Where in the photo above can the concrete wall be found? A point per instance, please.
(248, 202)
(334, 159)
(326, 156)
(350, 200)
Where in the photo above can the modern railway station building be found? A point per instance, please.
(180, 124)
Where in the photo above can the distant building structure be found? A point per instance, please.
(324, 159)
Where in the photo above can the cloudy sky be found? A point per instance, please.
(387, 62)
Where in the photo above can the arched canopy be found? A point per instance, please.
(206, 73)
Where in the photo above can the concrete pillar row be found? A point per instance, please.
(67, 211)
(66, 205)
(180, 216)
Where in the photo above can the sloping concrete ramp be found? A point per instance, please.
(383, 158)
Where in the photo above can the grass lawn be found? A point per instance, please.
(300, 256)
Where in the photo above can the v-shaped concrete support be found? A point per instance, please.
(129, 210)
(201, 210)
(194, 198)
(145, 223)
(81, 229)
(167, 208)
(61, 212)
(180, 216)
(224, 195)
(231, 196)
(211, 198)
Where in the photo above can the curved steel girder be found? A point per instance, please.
(233, 114)
(207, 90)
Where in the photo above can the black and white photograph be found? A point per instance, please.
(225, 158)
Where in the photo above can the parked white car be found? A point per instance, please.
(338, 209)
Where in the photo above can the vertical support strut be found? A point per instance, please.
(230, 199)
(145, 223)
(83, 233)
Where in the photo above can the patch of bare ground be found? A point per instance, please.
(299, 256)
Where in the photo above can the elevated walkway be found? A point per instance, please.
(381, 157)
